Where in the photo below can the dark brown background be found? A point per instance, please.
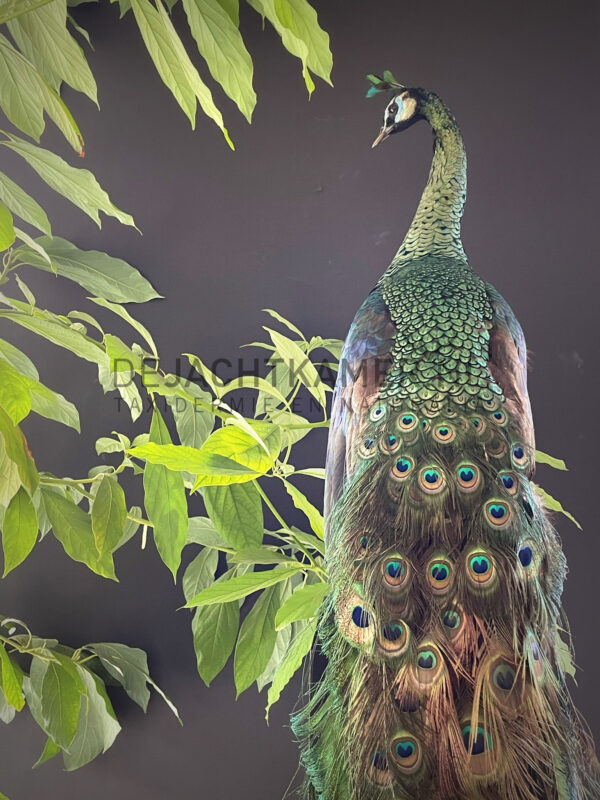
(303, 217)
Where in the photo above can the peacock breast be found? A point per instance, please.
(442, 316)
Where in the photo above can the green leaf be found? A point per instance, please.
(44, 401)
(18, 359)
(15, 398)
(236, 511)
(19, 530)
(215, 630)
(97, 726)
(161, 47)
(127, 665)
(232, 7)
(261, 555)
(10, 680)
(52, 405)
(299, 17)
(297, 651)
(73, 529)
(239, 445)
(108, 277)
(256, 639)
(62, 690)
(221, 45)
(7, 712)
(27, 95)
(312, 472)
(108, 514)
(7, 230)
(282, 638)
(303, 604)
(50, 327)
(107, 445)
(553, 504)
(18, 451)
(77, 185)
(299, 364)
(193, 422)
(19, 95)
(241, 586)
(165, 501)
(42, 35)
(200, 573)
(254, 382)
(544, 458)
(276, 315)
(50, 750)
(202, 531)
(296, 22)
(303, 504)
(9, 476)
(188, 459)
(14, 8)
(200, 89)
(122, 312)
(229, 455)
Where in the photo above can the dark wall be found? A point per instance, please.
(304, 217)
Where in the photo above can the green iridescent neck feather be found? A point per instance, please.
(435, 229)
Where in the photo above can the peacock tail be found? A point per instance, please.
(444, 634)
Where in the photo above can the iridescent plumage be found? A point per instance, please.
(446, 666)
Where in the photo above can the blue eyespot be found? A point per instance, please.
(393, 632)
(451, 619)
(518, 452)
(394, 569)
(526, 555)
(405, 749)
(508, 481)
(480, 743)
(379, 761)
(360, 617)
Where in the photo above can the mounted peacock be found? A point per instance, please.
(445, 676)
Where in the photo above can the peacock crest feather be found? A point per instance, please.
(445, 675)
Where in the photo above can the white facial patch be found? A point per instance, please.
(399, 110)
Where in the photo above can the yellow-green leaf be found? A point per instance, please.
(303, 504)
(19, 530)
(42, 35)
(299, 364)
(303, 604)
(165, 501)
(73, 529)
(23, 205)
(241, 586)
(221, 45)
(15, 398)
(297, 651)
(544, 458)
(17, 450)
(108, 514)
(552, 504)
(256, 639)
(10, 680)
(236, 512)
(7, 228)
(77, 185)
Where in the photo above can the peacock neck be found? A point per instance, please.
(435, 229)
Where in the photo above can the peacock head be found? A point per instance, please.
(401, 112)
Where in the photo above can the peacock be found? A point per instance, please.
(445, 641)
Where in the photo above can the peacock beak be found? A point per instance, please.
(383, 134)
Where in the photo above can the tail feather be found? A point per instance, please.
(445, 677)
